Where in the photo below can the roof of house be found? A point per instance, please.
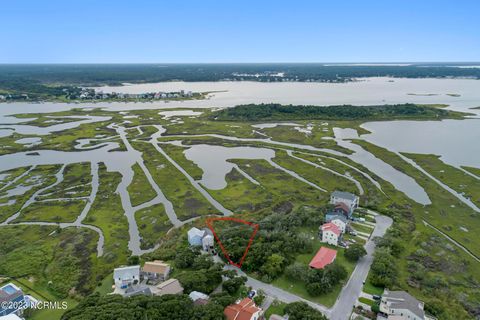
(130, 292)
(323, 257)
(342, 206)
(195, 232)
(171, 286)
(195, 295)
(208, 231)
(126, 272)
(331, 227)
(403, 300)
(242, 310)
(344, 195)
(200, 302)
(9, 292)
(156, 266)
(335, 216)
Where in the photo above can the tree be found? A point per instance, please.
(302, 311)
(355, 252)
(233, 285)
(210, 311)
(185, 258)
(259, 297)
(335, 272)
(222, 298)
(202, 261)
(133, 260)
(297, 271)
(383, 270)
(274, 266)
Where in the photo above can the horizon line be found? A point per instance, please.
(267, 62)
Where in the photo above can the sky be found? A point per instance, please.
(143, 31)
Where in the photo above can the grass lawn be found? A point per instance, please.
(299, 289)
(369, 288)
(354, 239)
(277, 307)
(361, 228)
(366, 301)
(106, 286)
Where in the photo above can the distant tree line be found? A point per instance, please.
(116, 74)
(167, 307)
(276, 112)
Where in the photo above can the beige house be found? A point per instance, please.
(156, 270)
(171, 286)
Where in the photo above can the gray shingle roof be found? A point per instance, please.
(403, 300)
(344, 195)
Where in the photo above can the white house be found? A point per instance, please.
(400, 305)
(207, 242)
(126, 276)
(340, 222)
(195, 236)
(351, 200)
(330, 233)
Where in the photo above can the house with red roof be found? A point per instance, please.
(243, 310)
(331, 233)
(324, 257)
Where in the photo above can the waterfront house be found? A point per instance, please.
(350, 200)
(125, 277)
(156, 270)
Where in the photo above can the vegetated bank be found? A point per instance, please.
(279, 112)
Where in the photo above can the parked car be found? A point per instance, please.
(376, 297)
(252, 294)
